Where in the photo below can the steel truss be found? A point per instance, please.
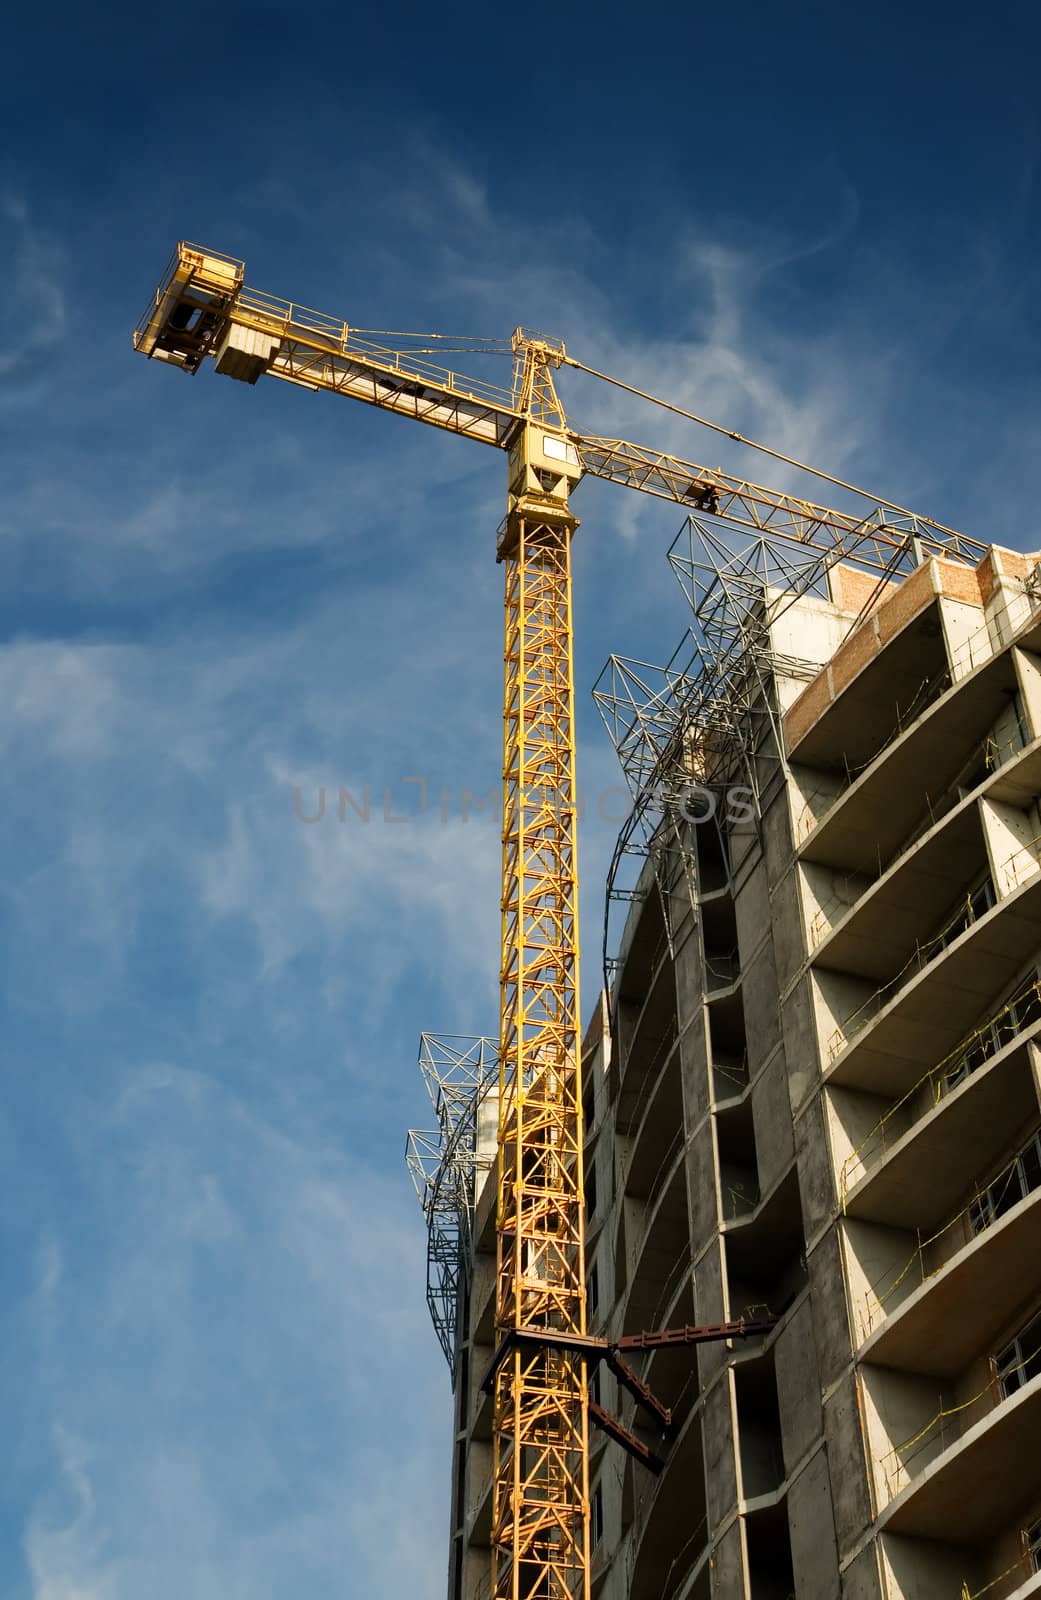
(459, 1070)
(696, 732)
(540, 1510)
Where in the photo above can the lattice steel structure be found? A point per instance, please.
(459, 1070)
(540, 1508)
(704, 724)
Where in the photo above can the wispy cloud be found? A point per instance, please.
(34, 306)
(251, 1282)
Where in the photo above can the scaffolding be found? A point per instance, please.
(461, 1071)
(692, 733)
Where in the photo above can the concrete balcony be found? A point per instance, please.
(726, 1030)
(906, 902)
(977, 1484)
(729, 1078)
(938, 1006)
(601, 1562)
(999, 1576)
(874, 817)
(662, 1248)
(483, 1311)
(658, 1132)
(722, 973)
(694, 1582)
(760, 1450)
(484, 1403)
(1026, 1590)
(944, 1322)
(885, 686)
(477, 1570)
(718, 922)
(647, 1034)
(769, 1547)
(643, 940)
(772, 1222)
(672, 1532)
(904, 908)
(764, 1252)
(480, 1482)
(595, 1114)
(673, 1374)
(738, 1169)
(484, 1216)
(921, 1175)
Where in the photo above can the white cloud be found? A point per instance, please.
(66, 1557)
(221, 1411)
(62, 696)
(36, 309)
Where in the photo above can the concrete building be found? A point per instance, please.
(814, 1090)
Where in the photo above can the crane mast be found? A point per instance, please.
(540, 1508)
(203, 308)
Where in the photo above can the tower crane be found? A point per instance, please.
(203, 308)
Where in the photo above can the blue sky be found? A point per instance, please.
(819, 226)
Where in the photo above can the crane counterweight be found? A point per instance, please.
(245, 353)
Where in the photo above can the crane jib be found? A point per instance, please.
(203, 308)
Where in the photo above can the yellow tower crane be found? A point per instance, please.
(203, 308)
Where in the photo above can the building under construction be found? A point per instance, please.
(812, 1092)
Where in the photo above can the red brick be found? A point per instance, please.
(958, 582)
(914, 594)
(851, 588)
(853, 656)
(804, 712)
(1001, 563)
